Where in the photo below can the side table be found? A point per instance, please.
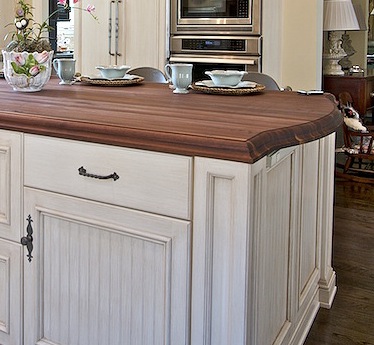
(359, 86)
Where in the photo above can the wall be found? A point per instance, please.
(360, 38)
(292, 42)
(7, 16)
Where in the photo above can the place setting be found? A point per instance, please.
(112, 75)
(227, 82)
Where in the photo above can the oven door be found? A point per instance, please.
(215, 15)
(214, 9)
(202, 63)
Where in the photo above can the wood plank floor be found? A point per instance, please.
(350, 321)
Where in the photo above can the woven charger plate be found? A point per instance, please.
(113, 82)
(228, 90)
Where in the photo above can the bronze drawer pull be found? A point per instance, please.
(83, 172)
(28, 239)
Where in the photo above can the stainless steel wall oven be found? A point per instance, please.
(212, 16)
(216, 34)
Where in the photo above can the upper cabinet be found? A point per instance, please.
(131, 32)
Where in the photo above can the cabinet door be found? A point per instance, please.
(102, 274)
(10, 252)
(10, 293)
(141, 34)
(10, 185)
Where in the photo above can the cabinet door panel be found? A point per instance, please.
(10, 185)
(104, 275)
(10, 293)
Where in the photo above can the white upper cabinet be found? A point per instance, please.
(138, 34)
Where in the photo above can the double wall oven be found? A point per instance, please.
(216, 34)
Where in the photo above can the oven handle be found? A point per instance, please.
(205, 59)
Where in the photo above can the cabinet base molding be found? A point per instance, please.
(327, 291)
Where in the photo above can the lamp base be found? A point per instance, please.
(334, 53)
(331, 65)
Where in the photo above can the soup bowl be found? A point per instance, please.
(113, 71)
(226, 78)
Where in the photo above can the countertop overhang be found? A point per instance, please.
(149, 116)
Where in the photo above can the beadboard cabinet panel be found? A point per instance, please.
(102, 274)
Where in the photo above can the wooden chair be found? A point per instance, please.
(149, 74)
(358, 146)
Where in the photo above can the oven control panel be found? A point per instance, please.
(214, 44)
(243, 9)
(232, 45)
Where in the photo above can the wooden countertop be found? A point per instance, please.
(149, 116)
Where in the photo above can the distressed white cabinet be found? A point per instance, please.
(104, 273)
(260, 264)
(116, 260)
(10, 234)
(142, 34)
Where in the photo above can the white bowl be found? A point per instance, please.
(112, 72)
(226, 78)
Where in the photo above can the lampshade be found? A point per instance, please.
(339, 15)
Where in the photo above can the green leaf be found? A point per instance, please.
(18, 69)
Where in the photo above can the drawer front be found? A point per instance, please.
(149, 181)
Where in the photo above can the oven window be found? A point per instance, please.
(215, 8)
(199, 69)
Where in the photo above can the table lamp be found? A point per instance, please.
(338, 15)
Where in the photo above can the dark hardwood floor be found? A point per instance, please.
(350, 321)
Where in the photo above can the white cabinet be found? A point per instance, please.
(142, 34)
(10, 234)
(260, 268)
(115, 259)
(10, 185)
(102, 273)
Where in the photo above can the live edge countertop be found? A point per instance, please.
(149, 116)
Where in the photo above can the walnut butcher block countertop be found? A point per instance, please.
(149, 116)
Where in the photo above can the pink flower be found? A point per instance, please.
(90, 8)
(62, 2)
(20, 12)
(42, 57)
(75, 1)
(19, 59)
(34, 70)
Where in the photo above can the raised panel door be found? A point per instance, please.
(10, 232)
(10, 185)
(10, 293)
(102, 274)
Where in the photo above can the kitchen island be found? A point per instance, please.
(164, 219)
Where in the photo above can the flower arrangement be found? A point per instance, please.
(28, 57)
(30, 35)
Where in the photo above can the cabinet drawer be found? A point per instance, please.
(149, 181)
